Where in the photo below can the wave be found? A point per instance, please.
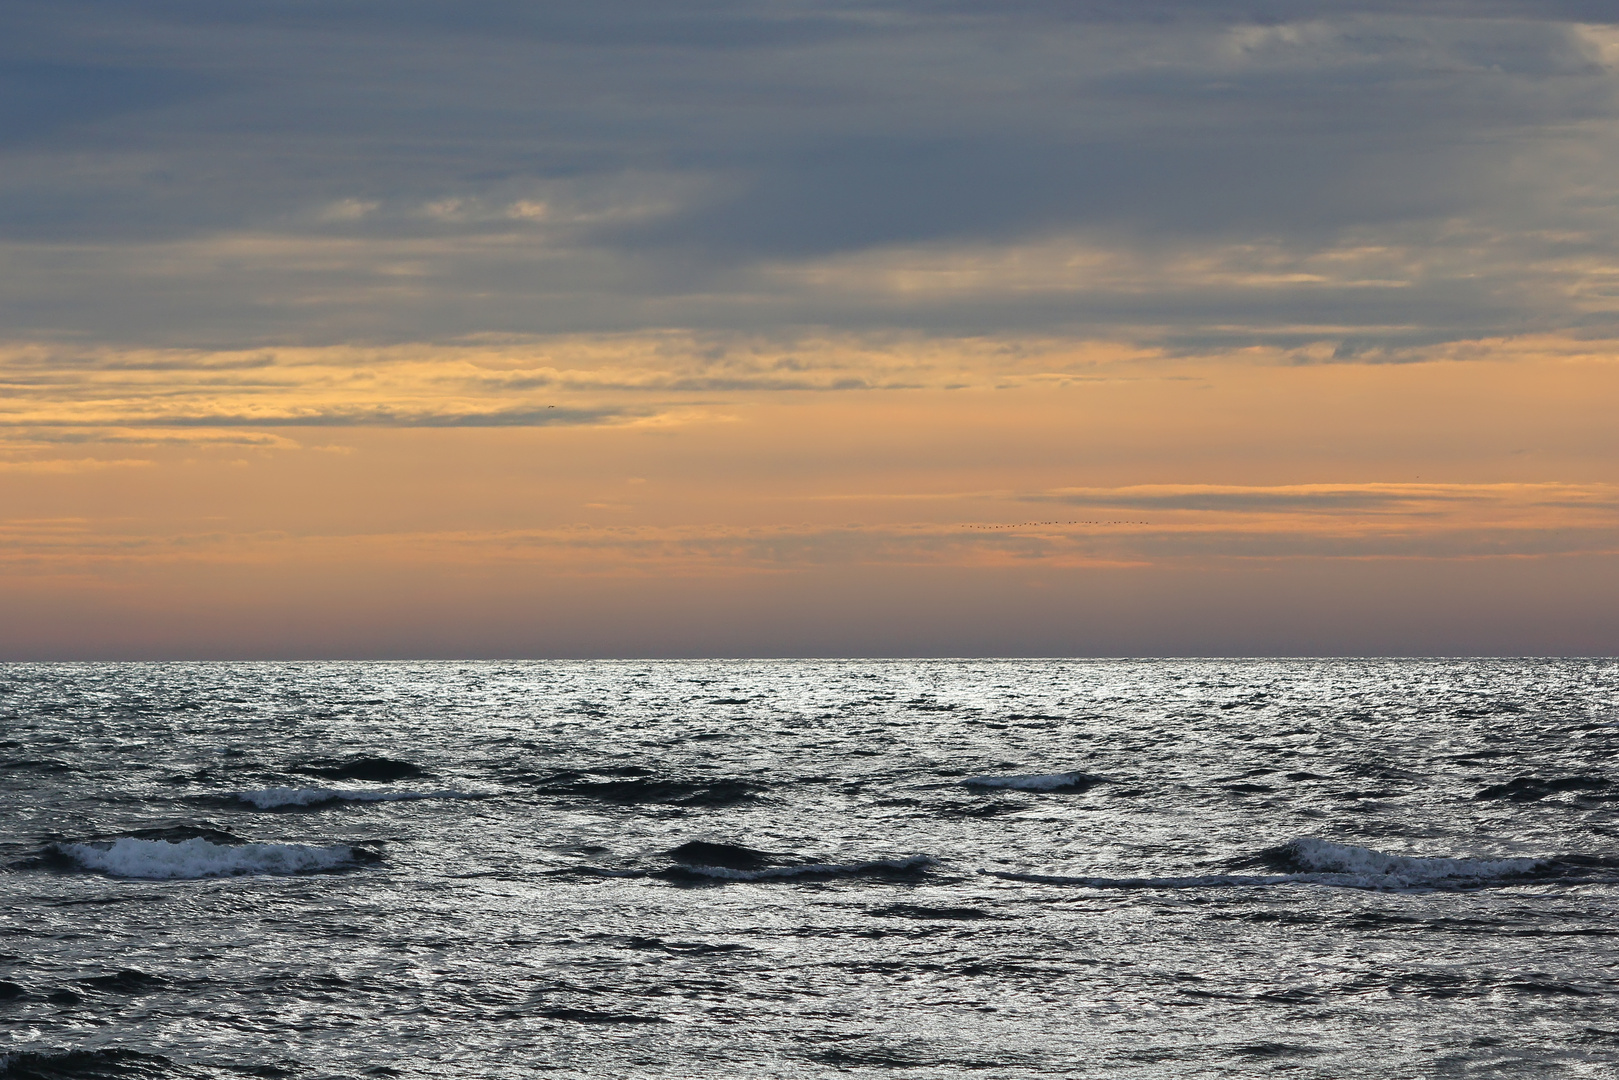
(668, 791)
(305, 798)
(1198, 881)
(197, 857)
(731, 856)
(1312, 861)
(36, 765)
(128, 981)
(1311, 855)
(1066, 781)
(1533, 789)
(88, 1064)
(700, 861)
(919, 911)
(878, 867)
(733, 862)
(371, 769)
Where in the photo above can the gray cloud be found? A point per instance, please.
(221, 175)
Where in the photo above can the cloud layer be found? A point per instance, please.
(187, 174)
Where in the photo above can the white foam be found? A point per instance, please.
(1029, 781)
(1403, 871)
(1322, 862)
(277, 798)
(728, 874)
(162, 860)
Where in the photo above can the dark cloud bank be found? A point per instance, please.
(224, 174)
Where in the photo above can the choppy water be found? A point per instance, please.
(1154, 869)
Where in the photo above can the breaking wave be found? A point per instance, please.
(1310, 855)
(1308, 860)
(197, 857)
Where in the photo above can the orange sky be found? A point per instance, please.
(1063, 497)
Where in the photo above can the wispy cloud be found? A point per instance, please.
(71, 465)
(1334, 498)
(52, 391)
(1172, 525)
(56, 393)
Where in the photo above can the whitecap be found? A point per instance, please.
(165, 860)
(1398, 871)
(1313, 861)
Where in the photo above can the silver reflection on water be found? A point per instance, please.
(794, 868)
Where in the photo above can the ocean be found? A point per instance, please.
(1009, 868)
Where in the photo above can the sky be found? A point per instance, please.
(492, 328)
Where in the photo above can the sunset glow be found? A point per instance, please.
(1034, 359)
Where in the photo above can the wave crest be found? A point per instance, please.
(1065, 781)
(170, 860)
(1312, 861)
(1310, 855)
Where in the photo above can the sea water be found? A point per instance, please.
(1345, 868)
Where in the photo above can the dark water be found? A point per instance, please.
(1221, 868)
